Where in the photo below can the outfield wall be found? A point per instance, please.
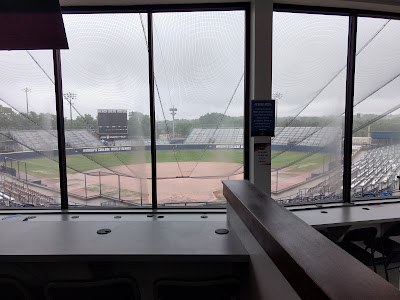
(22, 155)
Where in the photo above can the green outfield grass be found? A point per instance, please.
(47, 168)
(306, 165)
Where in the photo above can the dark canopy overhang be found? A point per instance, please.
(31, 24)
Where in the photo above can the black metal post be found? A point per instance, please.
(349, 111)
(100, 182)
(152, 113)
(60, 130)
(85, 187)
(246, 137)
(119, 187)
(141, 192)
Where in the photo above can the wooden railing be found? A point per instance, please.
(314, 266)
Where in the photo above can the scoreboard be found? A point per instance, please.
(113, 123)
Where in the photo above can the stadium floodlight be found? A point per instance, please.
(173, 111)
(27, 90)
(69, 97)
(276, 96)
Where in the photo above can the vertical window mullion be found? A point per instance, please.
(152, 112)
(246, 137)
(348, 125)
(60, 129)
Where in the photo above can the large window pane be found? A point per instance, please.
(309, 81)
(199, 73)
(106, 100)
(28, 137)
(376, 133)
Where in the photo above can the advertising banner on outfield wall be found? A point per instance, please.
(105, 149)
(90, 150)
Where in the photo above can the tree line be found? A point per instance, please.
(139, 123)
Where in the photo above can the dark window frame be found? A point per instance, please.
(149, 10)
(245, 6)
(353, 15)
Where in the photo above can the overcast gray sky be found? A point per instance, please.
(309, 56)
(199, 61)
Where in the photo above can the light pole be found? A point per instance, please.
(69, 97)
(276, 96)
(157, 132)
(173, 113)
(27, 90)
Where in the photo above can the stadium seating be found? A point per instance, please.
(215, 136)
(24, 195)
(374, 174)
(47, 139)
(81, 138)
(306, 136)
(300, 136)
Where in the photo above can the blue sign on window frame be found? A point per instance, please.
(263, 118)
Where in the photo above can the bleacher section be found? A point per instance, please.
(215, 136)
(140, 142)
(20, 195)
(306, 136)
(81, 138)
(373, 175)
(35, 139)
(46, 139)
(285, 136)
